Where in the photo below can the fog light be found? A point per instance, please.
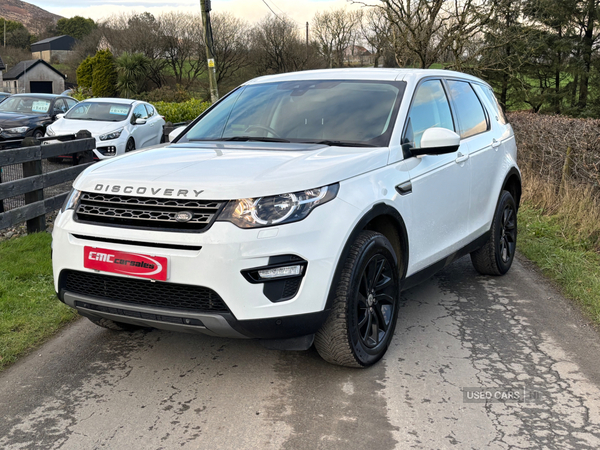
(278, 272)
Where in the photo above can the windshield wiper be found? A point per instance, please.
(246, 139)
(340, 143)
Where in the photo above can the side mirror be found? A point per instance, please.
(175, 133)
(140, 121)
(59, 116)
(437, 141)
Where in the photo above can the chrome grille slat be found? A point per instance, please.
(146, 212)
(150, 201)
(136, 214)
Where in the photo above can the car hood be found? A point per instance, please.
(10, 120)
(224, 171)
(96, 127)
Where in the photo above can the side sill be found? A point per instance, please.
(428, 272)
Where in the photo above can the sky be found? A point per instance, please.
(252, 10)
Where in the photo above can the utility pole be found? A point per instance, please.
(307, 39)
(210, 55)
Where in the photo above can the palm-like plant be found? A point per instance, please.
(131, 69)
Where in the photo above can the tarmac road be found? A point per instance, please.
(90, 388)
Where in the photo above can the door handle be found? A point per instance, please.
(495, 143)
(404, 188)
(460, 158)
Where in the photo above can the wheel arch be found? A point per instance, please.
(512, 184)
(384, 219)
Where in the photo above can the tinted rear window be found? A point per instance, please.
(471, 117)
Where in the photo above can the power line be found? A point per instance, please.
(282, 11)
(271, 9)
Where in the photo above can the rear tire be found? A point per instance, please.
(115, 326)
(497, 254)
(361, 323)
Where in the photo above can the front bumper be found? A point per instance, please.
(110, 148)
(226, 251)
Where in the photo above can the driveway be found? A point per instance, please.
(476, 362)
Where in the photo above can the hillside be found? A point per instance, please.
(34, 18)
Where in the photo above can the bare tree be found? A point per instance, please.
(183, 39)
(335, 31)
(278, 47)
(429, 29)
(231, 45)
(137, 33)
(375, 30)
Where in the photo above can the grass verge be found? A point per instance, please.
(29, 309)
(569, 261)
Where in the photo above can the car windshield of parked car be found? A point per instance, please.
(26, 105)
(333, 112)
(100, 111)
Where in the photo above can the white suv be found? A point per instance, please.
(295, 210)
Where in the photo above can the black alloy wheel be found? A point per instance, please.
(508, 234)
(496, 256)
(376, 303)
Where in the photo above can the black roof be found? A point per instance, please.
(16, 71)
(2, 66)
(64, 42)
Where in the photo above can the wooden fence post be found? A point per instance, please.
(566, 172)
(1, 201)
(86, 156)
(30, 169)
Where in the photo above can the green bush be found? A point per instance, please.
(181, 112)
(85, 72)
(81, 94)
(167, 94)
(105, 75)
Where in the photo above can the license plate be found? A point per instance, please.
(135, 264)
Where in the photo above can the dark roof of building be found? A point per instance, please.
(64, 42)
(19, 69)
(2, 66)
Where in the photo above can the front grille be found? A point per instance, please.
(146, 212)
(143, 292)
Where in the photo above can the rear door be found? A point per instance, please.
(438, 193)
(483, 143)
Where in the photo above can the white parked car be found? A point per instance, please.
(119, 125)
(295, 210)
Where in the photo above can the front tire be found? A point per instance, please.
(361, 323)
(497, 254)
(130, 146)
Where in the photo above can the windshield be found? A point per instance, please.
(333, 112)
(26, 105)
(101, 111)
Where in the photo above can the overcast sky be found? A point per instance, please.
(252, 10)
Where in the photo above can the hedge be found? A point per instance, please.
(181, 112)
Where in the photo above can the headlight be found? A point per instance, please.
(50, 131)
(17, 130)
(71, 201)
(277, 209)
(112, 135)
